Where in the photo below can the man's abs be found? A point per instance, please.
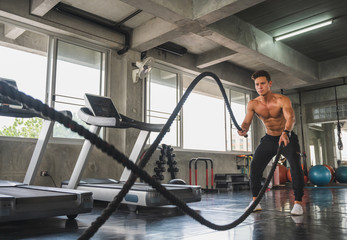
(274, 126)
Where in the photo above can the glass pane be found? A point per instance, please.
(79, 70)
(60, 130)
(238, 102)
(238, 105)
(321, 113)
(170, 138)
(31, 79)
(327, 113)
(203, 123)
(162, 91)
(161, 101)
(239, 143)
(21, 127)
(28, 69)
(203, 117)
(315, 113)
(345, 110)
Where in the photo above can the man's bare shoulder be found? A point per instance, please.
(253, 102)
(281, 98)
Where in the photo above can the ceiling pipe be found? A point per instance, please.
(64, 8)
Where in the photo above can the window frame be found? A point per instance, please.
(51, 71)
(228, 88)
(178, 93)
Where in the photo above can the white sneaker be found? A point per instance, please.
(297, 209)
(257, 208)
(298, 219)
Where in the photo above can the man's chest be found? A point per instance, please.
(270, 110)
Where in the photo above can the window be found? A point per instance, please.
(204, 122)
(56, 71)
(76, 70)
(162, 93)
(328, 112)
(27, 66)
(203, 117)
(238, 102)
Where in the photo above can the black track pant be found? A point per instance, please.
(266, 150)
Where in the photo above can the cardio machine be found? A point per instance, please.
(20, 201)
(101, 112)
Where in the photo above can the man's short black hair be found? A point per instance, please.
(261, 73)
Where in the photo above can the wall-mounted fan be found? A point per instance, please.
(143, 69)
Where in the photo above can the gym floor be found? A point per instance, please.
(325, 218)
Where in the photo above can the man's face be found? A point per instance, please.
(262, 86)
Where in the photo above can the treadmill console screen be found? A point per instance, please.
(7, 101)
(101, 106)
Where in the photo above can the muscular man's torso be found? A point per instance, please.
(271, 113)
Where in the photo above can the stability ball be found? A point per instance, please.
(341, 174)
(319, 175)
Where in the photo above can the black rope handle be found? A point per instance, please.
(136, 170)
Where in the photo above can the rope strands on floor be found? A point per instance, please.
(137, 171)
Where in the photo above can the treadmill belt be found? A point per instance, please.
(27, 195)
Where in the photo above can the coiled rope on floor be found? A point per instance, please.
(137, 171)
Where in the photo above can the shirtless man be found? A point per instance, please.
(277, 114)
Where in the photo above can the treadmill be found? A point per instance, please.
(21, 201)
(101, 112)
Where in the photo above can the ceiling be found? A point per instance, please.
(278, 17)
(238, 32)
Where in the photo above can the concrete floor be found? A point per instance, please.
(325, 218)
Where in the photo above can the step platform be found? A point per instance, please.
(231, 181)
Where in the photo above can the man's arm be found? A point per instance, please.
(288, 113)
(248, 119)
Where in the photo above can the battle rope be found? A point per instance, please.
(339, 141)
(110, 150)
(303, 139)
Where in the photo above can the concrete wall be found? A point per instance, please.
(58, 160)
(325, 137)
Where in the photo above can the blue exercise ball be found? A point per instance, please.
(319, 175)
(341, 174)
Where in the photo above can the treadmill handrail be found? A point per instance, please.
(8, 111)
(128, 122)
(125, 122)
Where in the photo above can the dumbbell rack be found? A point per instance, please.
(166, 156)
(172, 169)
(159, 169)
